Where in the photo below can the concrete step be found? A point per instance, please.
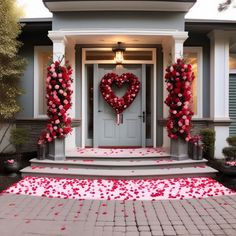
(117, 153)
(131, 163)
(125, 157)
(118, 173)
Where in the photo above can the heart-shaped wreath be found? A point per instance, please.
(119, 104)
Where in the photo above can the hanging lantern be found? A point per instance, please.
(119, 53)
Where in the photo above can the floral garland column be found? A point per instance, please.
(58, 86)
(178, 78)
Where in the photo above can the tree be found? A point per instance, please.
(225, 5)
(11, 65)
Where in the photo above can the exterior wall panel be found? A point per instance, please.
(30, 39)
(92, 20)
(200, 40)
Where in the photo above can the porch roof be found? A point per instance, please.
(130, 5)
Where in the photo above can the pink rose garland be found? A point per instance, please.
(178, 78)
(58, 87)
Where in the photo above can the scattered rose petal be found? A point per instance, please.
(111, 189)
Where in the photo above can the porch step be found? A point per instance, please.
(124, 164)
(118, 173)
(117, 153)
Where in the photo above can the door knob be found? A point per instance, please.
(143, 116)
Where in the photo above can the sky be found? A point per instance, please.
(203, 9)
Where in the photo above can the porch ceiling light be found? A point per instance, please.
(119, 53)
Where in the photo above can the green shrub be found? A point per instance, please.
(231, 140)
(208, 140)
(229, 152)
(18, 138)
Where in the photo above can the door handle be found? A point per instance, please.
(99, 111)
(143, 116)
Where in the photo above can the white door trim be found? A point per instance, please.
(83, 93)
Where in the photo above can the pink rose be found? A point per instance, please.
(54, 74)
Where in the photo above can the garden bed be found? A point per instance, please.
(227, 173)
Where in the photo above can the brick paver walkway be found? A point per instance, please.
(28, 216)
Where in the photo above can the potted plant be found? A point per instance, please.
(229, 162)
(12, 162)
(195, 147)
(208, 140)
(227, 165)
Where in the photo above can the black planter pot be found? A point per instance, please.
(12, 167)
(42, 151)
(11, 164)
(228, 170)
(194, 151)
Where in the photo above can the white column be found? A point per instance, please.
(58, 47)
(70, 56)
(219, 90)
(178, 45)
(62, 50)
(167, 59)
(172, 49)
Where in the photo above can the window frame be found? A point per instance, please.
(37, 95)
(199, 52)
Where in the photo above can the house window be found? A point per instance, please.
(42, 56)
(232, 63)
(193, 56)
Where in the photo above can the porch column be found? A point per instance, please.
(178, 45)
(57, 147)
(58, 47)
(166, 61)
(172, 49)
(70, 56)
(178, 148)
(219, 87)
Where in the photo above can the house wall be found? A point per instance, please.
(30, 38)
(34, 38)
(201, 40)
(145, 20)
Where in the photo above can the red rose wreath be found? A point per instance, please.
(119, 104)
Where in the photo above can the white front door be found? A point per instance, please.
(131, 130)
